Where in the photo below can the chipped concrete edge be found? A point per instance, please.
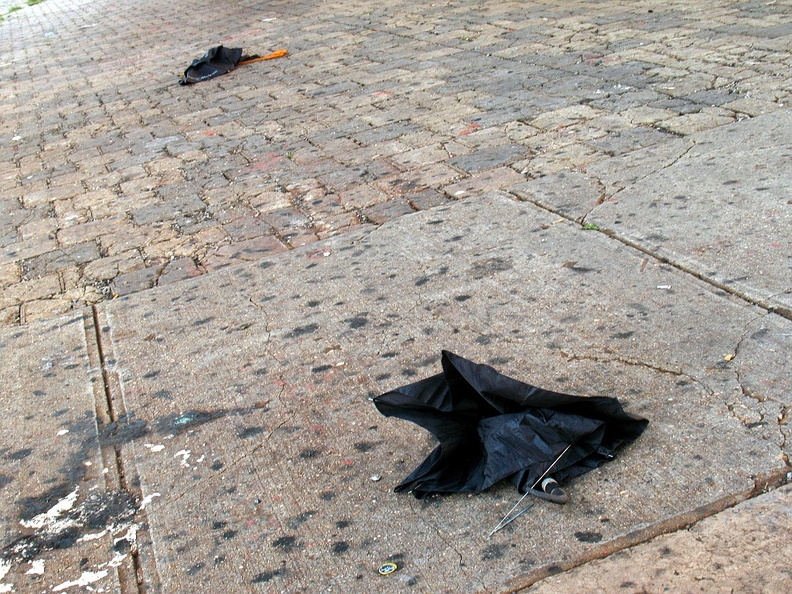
(762, 484)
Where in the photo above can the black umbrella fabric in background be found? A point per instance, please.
(492, 427)
(220, 60)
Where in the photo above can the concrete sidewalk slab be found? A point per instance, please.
(259, 449)
(114, 178)
(63, 523)
(743, 549)
(715, 203)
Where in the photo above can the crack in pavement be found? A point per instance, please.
(636, 363)
(436, 529)
(603, 198)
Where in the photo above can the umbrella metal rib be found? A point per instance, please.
(504, 521)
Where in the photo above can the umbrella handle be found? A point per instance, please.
(277, 54)
(551, 491)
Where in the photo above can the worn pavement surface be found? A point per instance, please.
(201, 288)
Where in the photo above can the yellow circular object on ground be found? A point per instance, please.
(387, 568)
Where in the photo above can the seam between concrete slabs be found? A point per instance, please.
(778, 310)
(681, 521)
(131, 575)
(670, 524)
(762, 484)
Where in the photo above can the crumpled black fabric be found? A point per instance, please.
(216, 61)
(492, 427)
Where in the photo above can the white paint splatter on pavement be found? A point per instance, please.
(50, 517)
(87, 577)
(185, 454)
(148, 498)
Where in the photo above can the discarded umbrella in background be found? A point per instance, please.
(220, 60)
(492, 427)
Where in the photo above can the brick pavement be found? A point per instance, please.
(114, 179)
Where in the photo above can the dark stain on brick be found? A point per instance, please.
(760, 334)
(301, 519)
(588, 536)
(489, 266)
(33, 506)
(499, 360)
(575, 268)
(622, 335)
(321, 368)
(96, 512)
(357, 322)
(122, 546)
(340, 547)
(364, 446)
(251, 432)
(303, 330)
(18, 455)
(285, 543)
(461, 298)
(122, 431)
(266, 576)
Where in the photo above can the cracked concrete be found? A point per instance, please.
(411, 107)
(673, 218)
(321, 360)
(243, 263)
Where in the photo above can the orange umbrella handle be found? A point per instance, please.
(278, 54)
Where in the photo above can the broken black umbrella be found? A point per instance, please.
(492, 427)
(220, 60)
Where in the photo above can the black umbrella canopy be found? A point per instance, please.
(492, 427)
(216, 61)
